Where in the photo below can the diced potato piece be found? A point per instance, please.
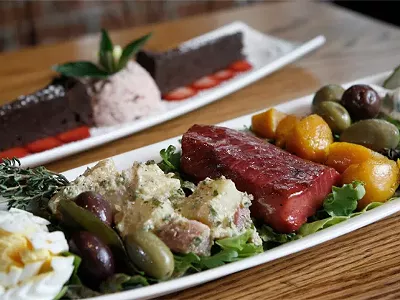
(103, 178)
(341, 155)
(215, 203)
(265, 123)
(144, 215)
(150, 182)
(310, 139)
(381, 178)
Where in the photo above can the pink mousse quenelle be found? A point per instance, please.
(125, 96)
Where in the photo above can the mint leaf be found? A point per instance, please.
(81, 69)
(122, 282)
(343, 201)
(106, 57)
(105, 42)
(131, 49)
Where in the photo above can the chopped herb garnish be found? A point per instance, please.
(215, 193)
(167, 218)
(197, 241)
(213, 211)
(156, 202)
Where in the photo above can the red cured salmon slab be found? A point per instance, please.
(287, 189)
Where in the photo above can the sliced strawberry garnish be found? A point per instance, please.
(17, 152)
(73, 135)
(241, 66)
(43, 144)
(224, 74)
(205, 82)
(180, 94)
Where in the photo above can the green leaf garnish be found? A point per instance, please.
(74, 289)
(122, 282)
(111, 59)
(309, 228)
(224, 251)
(343, 201)
(106, 58)
(272, 238)
(170, 160)
(131, 49)
(184, 262)
(81, 69)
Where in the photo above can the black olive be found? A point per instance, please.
(362, 102)
(97, 260)
(96, 204)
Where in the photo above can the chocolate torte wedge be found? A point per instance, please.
(61, 106)
(183, 65)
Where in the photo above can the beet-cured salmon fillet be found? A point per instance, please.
(286, 189)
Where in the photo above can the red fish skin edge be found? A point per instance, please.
(287, 189)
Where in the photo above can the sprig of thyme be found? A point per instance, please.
(22, 188)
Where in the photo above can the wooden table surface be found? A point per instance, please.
(362, 265)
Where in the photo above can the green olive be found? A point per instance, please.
(330, 92)
(334, 114)
(150, 254)
(375, 134)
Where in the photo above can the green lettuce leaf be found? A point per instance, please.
(240, 244)
(309, 228)
(122, 282)
(170, 160)
(271, 239)
(343, 200)
(184, 263)
(74, 289)
(224, 251)
(77, 291)
(218, 259)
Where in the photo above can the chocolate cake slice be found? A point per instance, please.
(63, 105)
(185, 64)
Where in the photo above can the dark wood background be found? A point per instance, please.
(34, 22)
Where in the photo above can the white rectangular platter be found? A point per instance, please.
(300, 107)
(266, 53)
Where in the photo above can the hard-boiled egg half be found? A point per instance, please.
(31, 266)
